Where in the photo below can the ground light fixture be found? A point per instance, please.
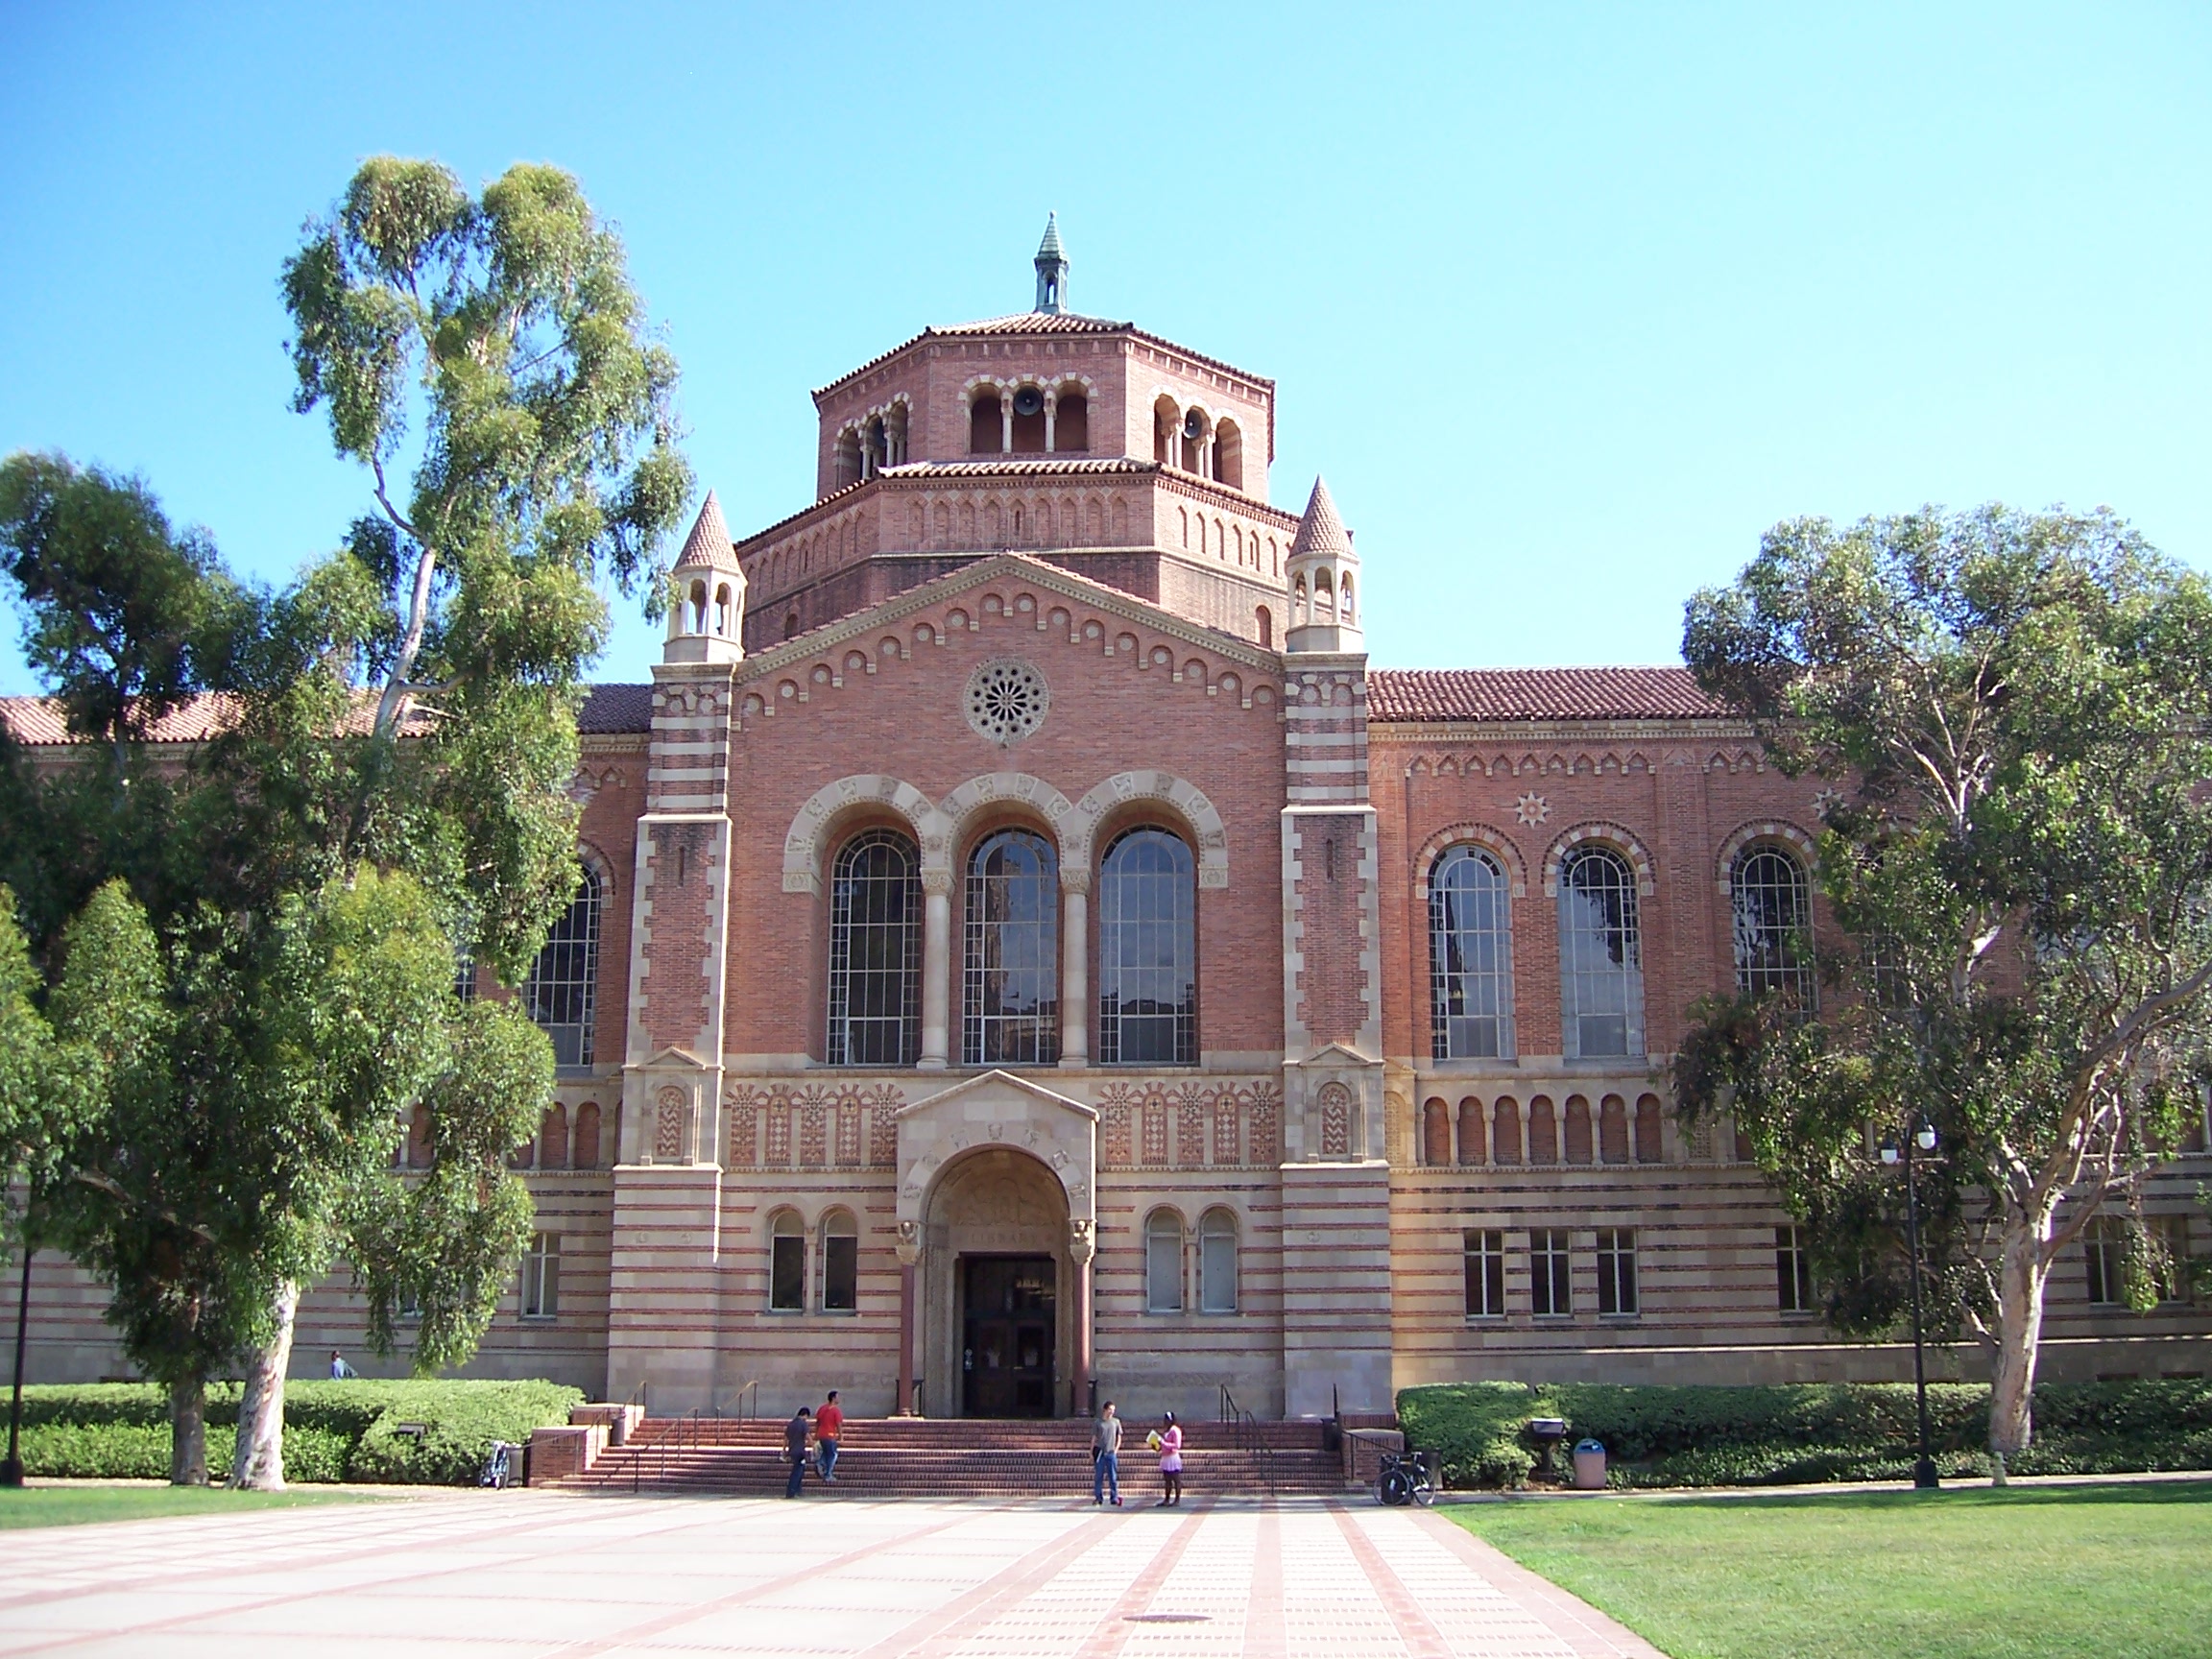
(1893, 1152)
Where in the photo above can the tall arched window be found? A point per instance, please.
(1163, 1263)
(563, 991)
(786, 1264)
(1470, 956)
(840, 1262)
(1771, 902)
(1010, 1005)
(1601, 955)
(1147, 951)
(1217, 1261)
(876, 951)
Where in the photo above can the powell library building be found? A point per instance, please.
(1027, 954)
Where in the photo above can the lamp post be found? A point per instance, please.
(11, 1470)
(1924, 1137)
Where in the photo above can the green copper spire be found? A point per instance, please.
(1052, 269)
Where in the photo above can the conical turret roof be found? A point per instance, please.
(1320, 532)
(1049, 248)
(709, 541)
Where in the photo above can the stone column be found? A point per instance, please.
(1081, 1247)
(1006, 424)
(909, 1264)
(1074, 969)
(1052, 416)
(936, 967)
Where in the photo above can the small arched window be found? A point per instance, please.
(1435, 1134)
(1147, 951)
(1266, 628)
(876, 951)
(840, 1262)
(583, 1140)
(561, 992)
(1217, 1261)
(1601, 955)
(1472, 1147)
(786, 1263)
(722, 609)
(848, 460)
(1163, 1263)
(1010, 1006)
(1772, 906)
(790, 624)
(420, 1149)
(1029, 422)
(553, 1137)
(1470, 956)
(1072, 420)
(986, 425)
(1229, 454)
(695, 613)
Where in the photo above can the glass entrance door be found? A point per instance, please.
(1007, 1334)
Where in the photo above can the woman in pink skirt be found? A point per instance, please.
(1169, 1438)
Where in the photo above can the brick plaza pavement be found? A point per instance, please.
(532, 1574)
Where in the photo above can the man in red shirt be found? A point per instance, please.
(828, 1424)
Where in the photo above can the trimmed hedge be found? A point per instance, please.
(1804, 1433)
(333, 1430)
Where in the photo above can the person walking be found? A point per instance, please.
(794, 1451)
(1168, 1440)
(1106, 1457)
(829, 1426)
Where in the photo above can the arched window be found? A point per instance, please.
(1543, 1131)
(1601, 955)
(1163, 1263)
(1217, 1261)
(1472, 1140)
(1613, 1129)
(895, 427)
(786, 1263)
(563, 991)
(553, 1137)
(840, 1262)
(420, 1148)
(1029, 422)
(722, 609)
(1229, 454)
(1435, 1134)
(1650, 1148)
(1147, 951)
(876, 951)
(695, 611)
(1010, 1006)
(1470, 956)
(1072, 420)
(1266, 628)
(1771, 902)
(790, 624)
(986, 425)
(848, 460)
(583, 1147)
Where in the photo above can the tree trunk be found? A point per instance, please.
(188, 1433)
(2021, 1276)
(260, 1460)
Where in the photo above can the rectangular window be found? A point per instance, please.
(1616, 1269)
(2105, 1244)
(1164, 1268)
(1793, 1271)
(1216, 1271)
(840, 1273)
(541, 1277)
(1485, 1258)
(1550, 1284)
(787, 1273)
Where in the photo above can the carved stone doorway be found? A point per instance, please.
(995, 1214)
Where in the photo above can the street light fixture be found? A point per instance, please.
(1924, 1137)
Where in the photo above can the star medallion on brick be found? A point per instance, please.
(1533, 808)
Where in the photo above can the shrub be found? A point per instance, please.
(1804, 1433)
(333, 1430)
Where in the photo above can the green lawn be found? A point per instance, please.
(2114, 1571)
(74, 1505)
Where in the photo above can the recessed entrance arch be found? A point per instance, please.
(994, 1260)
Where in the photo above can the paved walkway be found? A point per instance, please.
(528, 1575)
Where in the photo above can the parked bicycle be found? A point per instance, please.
(1405, 1478)
(499, 1467)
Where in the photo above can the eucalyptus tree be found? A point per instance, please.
(2012, 714)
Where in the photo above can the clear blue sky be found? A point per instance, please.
(1568, 302)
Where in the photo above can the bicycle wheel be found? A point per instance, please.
(1394, 1487)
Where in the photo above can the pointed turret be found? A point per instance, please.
(707, 601)
(1051, 270)
(1324, 574)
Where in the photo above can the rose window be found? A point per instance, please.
(1006, 701)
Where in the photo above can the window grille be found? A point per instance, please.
(563, 991)
(1601, 952)
(875, 952)
(463, 976)
(1485, 1257)
(1551, 1282)
(1147, 951)
(1616, 1270)
(541, 1277)
(1010, 1007)
(840, 1262)
(1217, 1262)
(1792, 1271)
(1771, 904)
(1163, 1263)
(788, 1265)
(1470, 957)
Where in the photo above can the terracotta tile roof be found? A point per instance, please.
(1538, 694)
(1320, 532)
(614, 708)
(1020, 465)
(708, 543)
(1048, 323)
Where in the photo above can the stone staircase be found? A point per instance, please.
(957, 1457)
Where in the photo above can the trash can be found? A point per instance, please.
(1589, 1466)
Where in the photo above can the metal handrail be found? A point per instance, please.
(745, 1411)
